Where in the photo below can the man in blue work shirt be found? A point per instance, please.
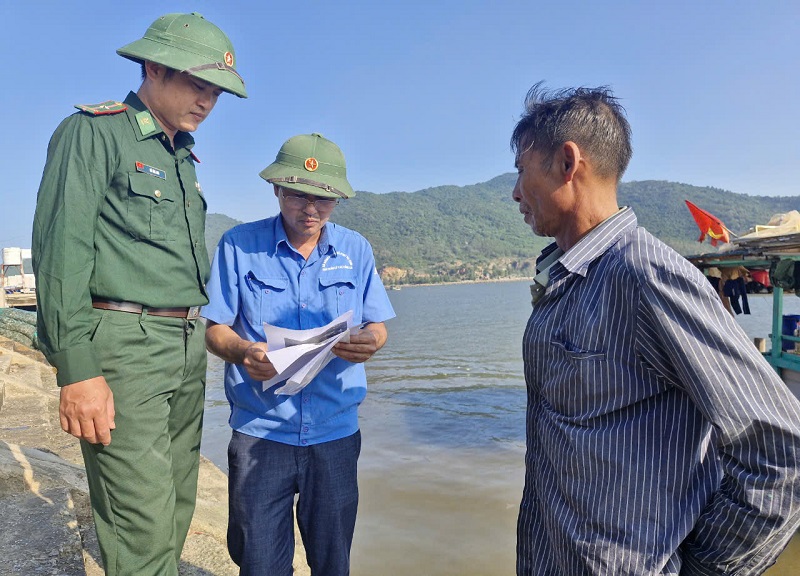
(298, 271)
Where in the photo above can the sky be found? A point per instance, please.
(423, 93)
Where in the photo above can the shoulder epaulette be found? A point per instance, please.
(108, 107)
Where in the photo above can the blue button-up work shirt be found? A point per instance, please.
(256, 277)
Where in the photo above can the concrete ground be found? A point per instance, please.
(46, 527)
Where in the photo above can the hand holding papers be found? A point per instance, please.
(299, 355)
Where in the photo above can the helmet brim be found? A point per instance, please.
(147, 49)
(279, 172)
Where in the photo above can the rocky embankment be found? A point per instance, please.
(46, 524)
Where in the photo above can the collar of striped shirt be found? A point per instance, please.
(599, 239)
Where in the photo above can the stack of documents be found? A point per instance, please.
(299, 355)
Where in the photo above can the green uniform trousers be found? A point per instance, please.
(144, 484)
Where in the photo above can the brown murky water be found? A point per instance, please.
(788, 563)
(438, 514)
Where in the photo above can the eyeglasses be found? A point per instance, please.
(300, 202)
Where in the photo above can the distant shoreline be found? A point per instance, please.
(450, 283)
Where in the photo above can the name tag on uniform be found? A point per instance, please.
(145, 169)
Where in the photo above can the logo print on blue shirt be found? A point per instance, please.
(342, 262)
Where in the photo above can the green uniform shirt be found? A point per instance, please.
(119, 216)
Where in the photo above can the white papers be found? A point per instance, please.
(299, 355)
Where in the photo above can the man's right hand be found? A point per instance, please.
(256, 362)
(87, 410)
(222, 341)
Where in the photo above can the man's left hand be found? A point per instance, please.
(363, 344)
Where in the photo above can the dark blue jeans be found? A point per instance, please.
(264, 477)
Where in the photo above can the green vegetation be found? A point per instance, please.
(452, 233)
(661, 209)
(216, 226)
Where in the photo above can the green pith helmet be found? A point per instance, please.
(191, 44)
(312, 164)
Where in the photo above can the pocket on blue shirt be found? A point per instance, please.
(341, 291)
(261, 290)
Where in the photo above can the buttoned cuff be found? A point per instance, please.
(75, 364)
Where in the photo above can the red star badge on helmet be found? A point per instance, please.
(228, 58)
(311, 164)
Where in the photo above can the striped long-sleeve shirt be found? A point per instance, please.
(659, 441)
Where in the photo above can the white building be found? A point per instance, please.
(13, 272)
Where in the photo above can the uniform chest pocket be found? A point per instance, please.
(262, 299)
(151, 208)
(341, 292)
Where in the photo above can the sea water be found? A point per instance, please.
(443, 430)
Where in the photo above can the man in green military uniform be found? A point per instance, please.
(121, 264)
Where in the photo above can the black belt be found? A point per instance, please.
(191, 313)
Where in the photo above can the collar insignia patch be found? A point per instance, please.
(145, 169)
(146, 123)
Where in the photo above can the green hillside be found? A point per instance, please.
(216, 226)
(661, 209)
(445, 233)
(476, 232)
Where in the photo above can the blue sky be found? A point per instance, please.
(424, 93)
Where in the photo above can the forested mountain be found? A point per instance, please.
(661, 209)
(216, 226)
(476, 232)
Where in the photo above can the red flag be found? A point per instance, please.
(708, 224)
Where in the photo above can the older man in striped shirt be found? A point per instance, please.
(659, 441)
